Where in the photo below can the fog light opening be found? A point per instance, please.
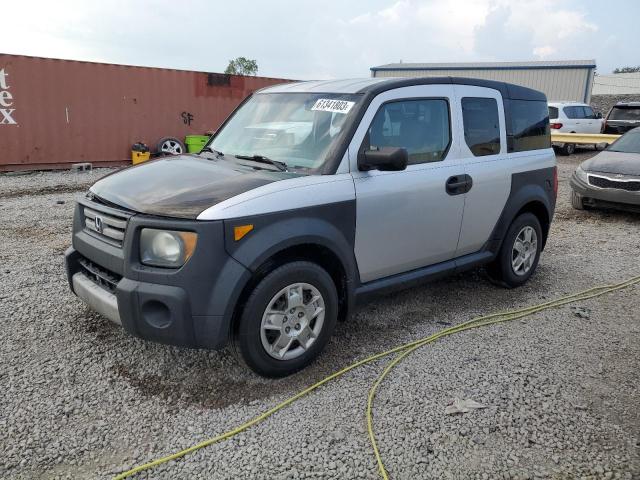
(156, 314)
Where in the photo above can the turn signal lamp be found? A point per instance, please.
(241, 230)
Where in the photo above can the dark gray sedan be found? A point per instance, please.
(610, 179)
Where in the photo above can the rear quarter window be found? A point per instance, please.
(553, 112)
(529, 125)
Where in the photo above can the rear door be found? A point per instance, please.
(484, 154)
(574, 116)
(407, 219)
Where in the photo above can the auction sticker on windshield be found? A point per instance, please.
(336, 106)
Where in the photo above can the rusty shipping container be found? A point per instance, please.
(57, 112)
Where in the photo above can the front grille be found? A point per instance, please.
(602, 182)
(100, 276)
(107, 227)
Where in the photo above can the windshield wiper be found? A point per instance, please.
(262, 159)
(211, 150)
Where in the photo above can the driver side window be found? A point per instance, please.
(420, 126)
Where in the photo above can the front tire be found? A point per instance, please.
(577, 201)
(287, 320)
(519, 254)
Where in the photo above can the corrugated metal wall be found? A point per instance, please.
(57, 112)
(557, 83)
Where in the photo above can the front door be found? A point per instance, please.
(574, 123)
(593, 124)
(408, 219)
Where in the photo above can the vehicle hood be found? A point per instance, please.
(181, 186)
(614, 162)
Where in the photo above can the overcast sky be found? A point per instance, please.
(322, 38)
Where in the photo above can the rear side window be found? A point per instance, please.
(420, 126)
(574, 112)
(553, 112)
(529, 125)
(625, 113)
(481, 125)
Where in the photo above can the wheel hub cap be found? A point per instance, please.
(292, 321)
(171, 147)
(524, 251)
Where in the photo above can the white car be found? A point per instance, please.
(573, 117)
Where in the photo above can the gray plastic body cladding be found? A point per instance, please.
(200, 295)
(526, 187)
(393, 283)
(329, 225)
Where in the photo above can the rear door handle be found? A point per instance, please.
(459, 184)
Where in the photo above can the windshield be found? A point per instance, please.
(297, 129)
(625, 113)
(553, 112)
(627, 143)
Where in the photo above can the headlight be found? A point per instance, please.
(165, 248)
(582, 175)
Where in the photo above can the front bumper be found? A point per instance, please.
(99, 299)
(605, 197)
(190, 306)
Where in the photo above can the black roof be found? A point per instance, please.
(508, 90)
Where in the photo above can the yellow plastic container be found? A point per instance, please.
(139, 153)
(139, 157)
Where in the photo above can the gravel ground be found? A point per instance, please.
(81, 399)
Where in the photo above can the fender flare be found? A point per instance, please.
(270, 238)
(526, 194)
(331, 227)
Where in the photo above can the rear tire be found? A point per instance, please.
(519, 253)
(577, 201)
(568, 149)
(287, 320)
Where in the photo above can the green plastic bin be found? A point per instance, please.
(195, 143)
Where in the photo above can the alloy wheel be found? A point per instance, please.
(292, 321)
(172, 147)
(524, 251)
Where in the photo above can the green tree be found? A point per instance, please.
(627, 69)
(242, 66)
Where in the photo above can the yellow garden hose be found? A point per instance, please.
(404, 351)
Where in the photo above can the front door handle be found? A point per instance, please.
(459, 184)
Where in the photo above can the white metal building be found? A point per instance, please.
(559, 79)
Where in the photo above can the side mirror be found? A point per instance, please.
(598, 115)
(384, 159)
